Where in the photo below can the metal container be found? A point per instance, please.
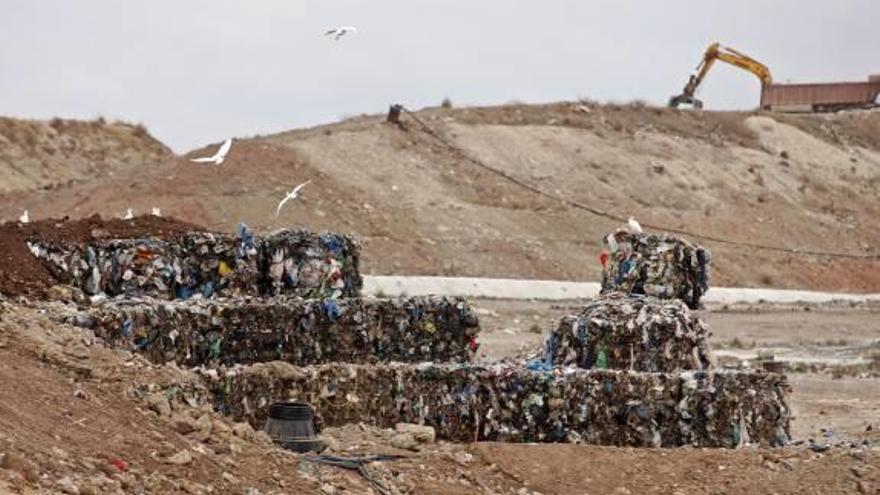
(821, 97)
(292, 425)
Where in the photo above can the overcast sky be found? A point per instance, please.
(197, 71)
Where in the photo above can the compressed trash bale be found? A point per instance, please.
(312, 265)
(211, 263)
(512, 404)
(207, 264)
(301, 331)
(640, 333)
(190, 264)
(664, 266)
(726, 406)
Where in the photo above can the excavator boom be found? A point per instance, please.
(718, 52)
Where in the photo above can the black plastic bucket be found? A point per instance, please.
(292, 425)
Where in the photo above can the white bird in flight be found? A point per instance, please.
(128, 215)
(634, 226)
(24, 218)
(291, 195)
(156, 212)
(219, 156)
(340, 31)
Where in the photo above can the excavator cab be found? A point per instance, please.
(718, 52)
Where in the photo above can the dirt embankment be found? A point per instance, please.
(49, 154)
(489, 191)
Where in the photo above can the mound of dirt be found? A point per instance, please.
(47, 154)
(21, 273)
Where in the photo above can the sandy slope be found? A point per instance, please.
(46, 155)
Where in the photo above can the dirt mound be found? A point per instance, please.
(47, 154)
(76, 417)
(714, 127)
(21, 273)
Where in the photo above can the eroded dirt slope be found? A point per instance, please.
(49, 154)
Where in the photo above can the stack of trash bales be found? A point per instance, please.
(642, 327)
(663, 266)
(508, 403)
(206, 264)
(636, 333)
(209, 332)
(631, 369)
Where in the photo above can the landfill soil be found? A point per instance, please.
(23, 274)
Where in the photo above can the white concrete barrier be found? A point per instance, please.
(553, 290)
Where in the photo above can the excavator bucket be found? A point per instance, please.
(685, 100)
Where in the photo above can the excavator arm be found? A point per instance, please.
(725, 54)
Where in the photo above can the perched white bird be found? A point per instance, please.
(291, 195)
(634, 226)
(24, 218)
(156, 212)
(340, 31)
(219, 156)
(128, 215)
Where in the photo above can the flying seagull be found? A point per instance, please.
(634, 226)
(128, 215)
(291, 195)
(156, 212)
(340, 31)
(24, 218)
(219, 156)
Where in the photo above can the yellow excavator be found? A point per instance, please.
(718, 52)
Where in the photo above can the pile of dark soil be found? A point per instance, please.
(22, 274)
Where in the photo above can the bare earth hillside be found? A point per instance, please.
(45, 155)
(507, 191)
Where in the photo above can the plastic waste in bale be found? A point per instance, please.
(663, 266)
(508, 403)
(206, 332)
(205, 264)
(634, 332)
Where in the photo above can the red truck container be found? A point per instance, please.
(821, 97)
